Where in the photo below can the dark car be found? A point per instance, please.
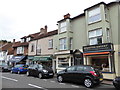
(19, 68)
(40, 71)
(116, 83)
(88, 75)
(5, 68)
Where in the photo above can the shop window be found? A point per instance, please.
(94, 15)
(95, 37)
(63, 62)
(101, 62)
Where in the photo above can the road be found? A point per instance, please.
(28, 82)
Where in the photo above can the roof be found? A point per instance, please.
(46, 35)
(6, 46)
(18, 44)
(31, 35)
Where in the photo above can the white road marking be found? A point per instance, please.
(62, 83)
(75, 86)
(52, 81)
(9, 78)
(37, 86)
(44, 79)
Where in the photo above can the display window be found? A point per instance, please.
(102, 62)
(63, 62)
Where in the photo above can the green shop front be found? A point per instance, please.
(45, 60)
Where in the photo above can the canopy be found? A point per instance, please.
(41, 58)
(17, 58)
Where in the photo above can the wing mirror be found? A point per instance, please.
(65, 70)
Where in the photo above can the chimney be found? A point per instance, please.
(67, 16)
(43, 30)
(13, 40)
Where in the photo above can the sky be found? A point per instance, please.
(20, 18)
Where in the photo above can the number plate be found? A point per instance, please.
(101, 79)
(51, 74)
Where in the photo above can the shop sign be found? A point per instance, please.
(100, 47)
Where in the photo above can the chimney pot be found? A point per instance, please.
(13, 40)
(67, 16)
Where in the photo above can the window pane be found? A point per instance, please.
(93, 41)
(99, 32)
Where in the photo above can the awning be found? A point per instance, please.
(30, 57)
(96, 53)
(17, 58)
(41, 58)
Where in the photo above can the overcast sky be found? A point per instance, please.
(19, 18)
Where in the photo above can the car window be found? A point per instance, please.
(35, 66)
(19, 66)
(71, 69)
(79, 68)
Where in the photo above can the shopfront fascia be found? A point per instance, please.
(101, 55)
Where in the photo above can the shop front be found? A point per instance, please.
(63, 60)
(102, 56)
(44, 60)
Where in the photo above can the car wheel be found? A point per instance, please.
(88, 83)
(60, 79)
(28, 74)
(40, 75)
(18, 72)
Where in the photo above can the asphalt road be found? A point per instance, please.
(22, 81)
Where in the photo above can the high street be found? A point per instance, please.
(23, 81)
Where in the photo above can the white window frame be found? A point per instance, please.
(63, 43)
(20, 50)
(32, 47)
(63, 27)
(71, 43)
(92, 14)
(62, 62)
(50, 43)
(94, 35)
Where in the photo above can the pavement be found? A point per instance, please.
(109, 82)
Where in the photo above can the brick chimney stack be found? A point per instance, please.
(13, 40)
(67, 16)
(43, 30)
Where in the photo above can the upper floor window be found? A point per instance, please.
(95, 37)
(71, 39)
(50, 42)
(28, 39)
(32, 48)
(63, 27)
(20, 50)
(63, 44)
(94, 15)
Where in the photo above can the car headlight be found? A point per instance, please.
(45, 71)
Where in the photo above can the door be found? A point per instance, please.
(70, 73)
(35, 70)
(79, 74)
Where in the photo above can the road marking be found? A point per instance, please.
(52, 81)
(9, 78)
(62, 83)
(75, 86)
(37, 86)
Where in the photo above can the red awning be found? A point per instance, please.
(96, 53)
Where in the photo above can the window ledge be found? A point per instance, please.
(94, 22)
(62, 32)
(50, 48)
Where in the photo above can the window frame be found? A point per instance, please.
(50, 44)
(94, 15)
(63, 27)
(63, 43)
(96, 36)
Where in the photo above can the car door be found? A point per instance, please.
(35, 70)
(79, 75)
(15, 69)
(69, 73)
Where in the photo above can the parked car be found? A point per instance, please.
(40, 71)
(19, 68)
(116, 83)
(88, 75)
(4, 67)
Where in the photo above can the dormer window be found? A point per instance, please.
(63, 27)
(22, 40)
(94, 15)
(28, 39)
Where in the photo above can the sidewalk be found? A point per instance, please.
(109, 82)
